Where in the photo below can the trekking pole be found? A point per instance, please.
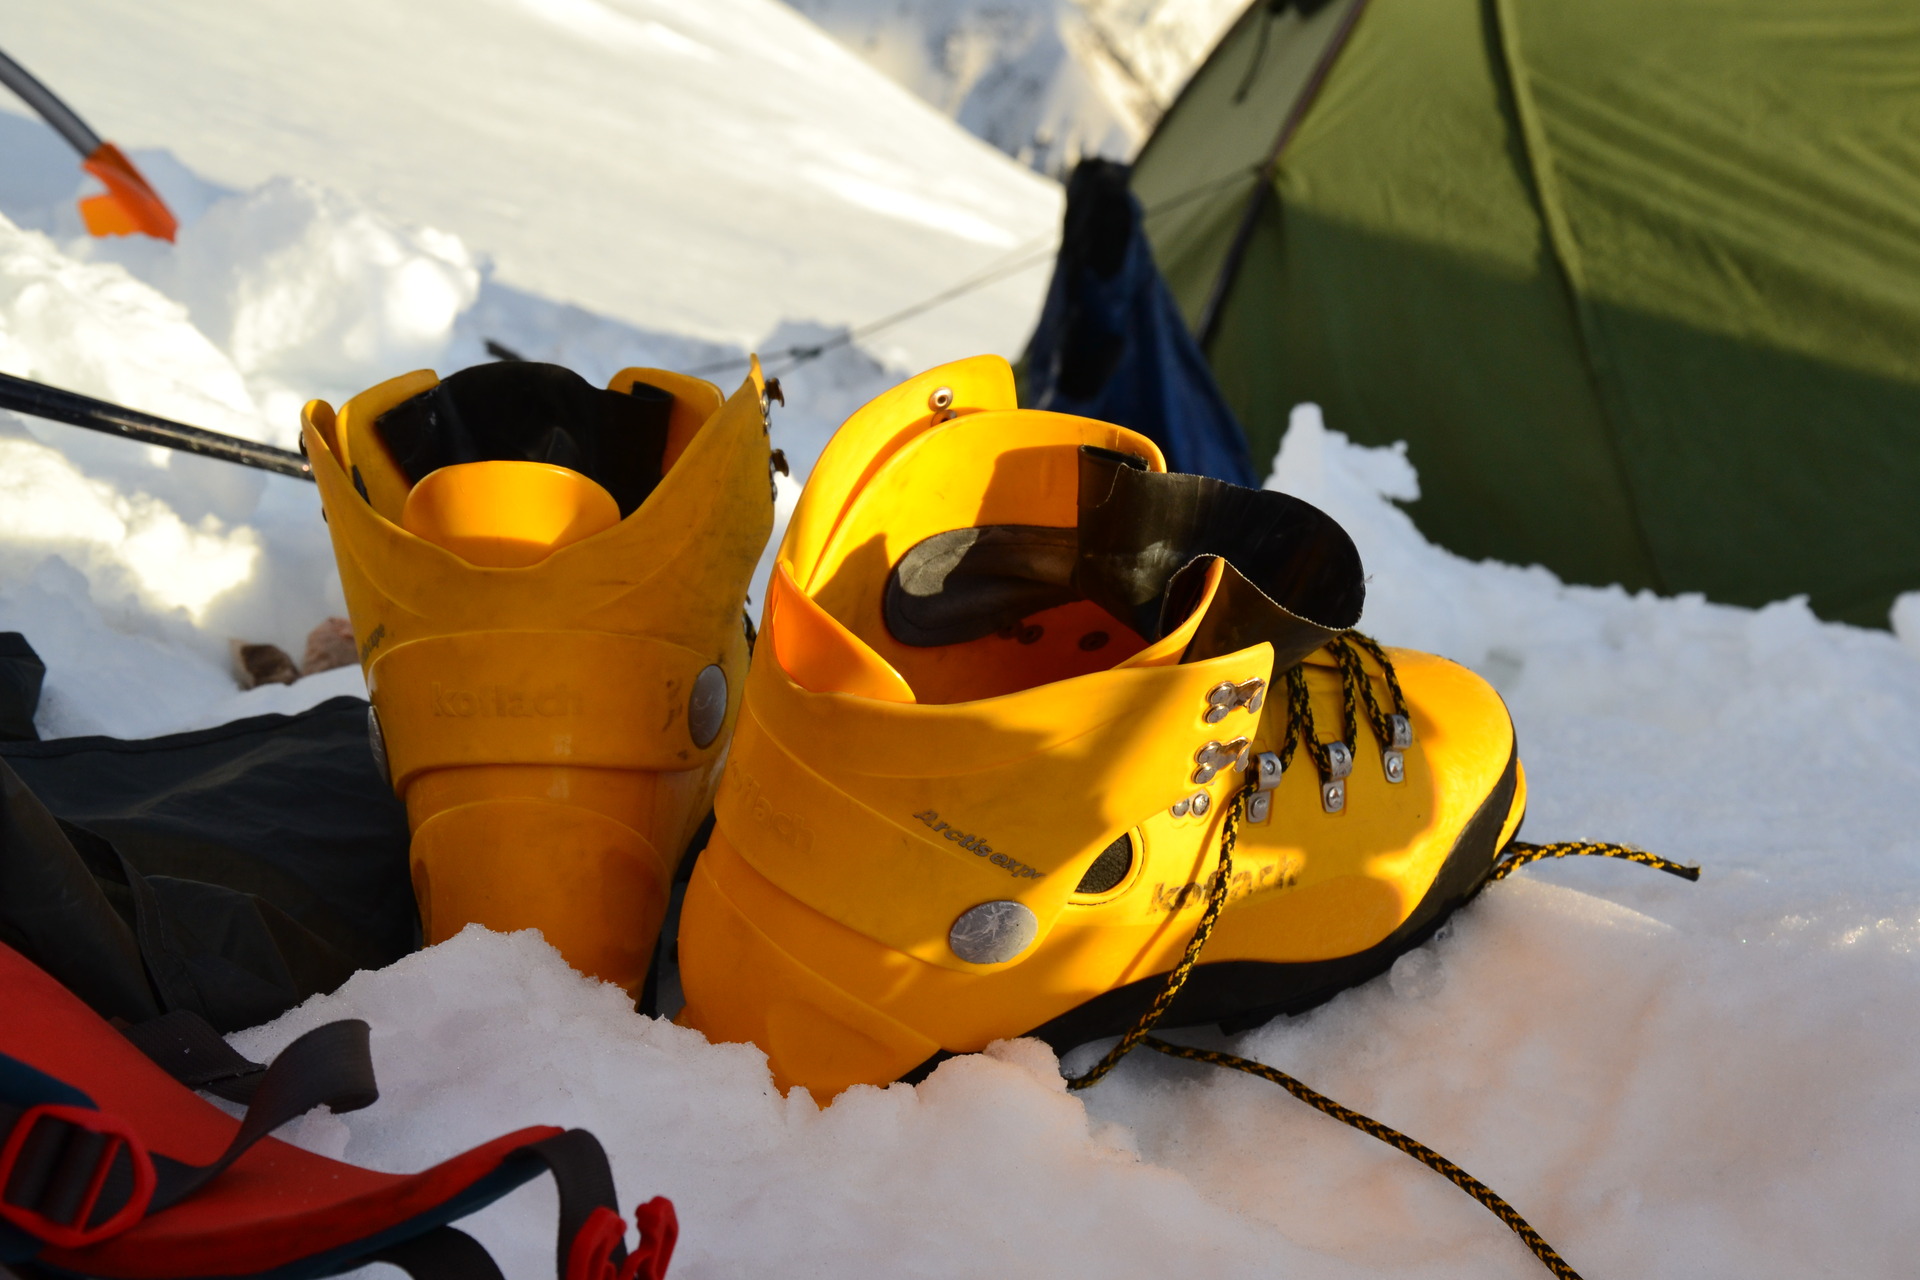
(23, 395)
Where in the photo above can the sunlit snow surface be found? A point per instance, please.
(704, 166)
(1669, 1080)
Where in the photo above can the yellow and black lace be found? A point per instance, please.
(1357, 690)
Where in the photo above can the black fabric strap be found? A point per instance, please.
(186, 1047)
(444, 1253)
(328, 1066)
(585, 1182)
(58, 1162)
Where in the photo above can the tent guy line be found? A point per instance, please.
(56, 404)
(1011, 263)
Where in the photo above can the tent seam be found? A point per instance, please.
(1215, 306)
(1566, 256)
(1227, 37)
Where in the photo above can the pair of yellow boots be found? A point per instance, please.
(1014, 686)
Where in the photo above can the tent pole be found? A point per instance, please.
(1208, 325)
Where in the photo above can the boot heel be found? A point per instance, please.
(594, 887)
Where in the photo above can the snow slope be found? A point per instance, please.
(629, 156)
(1046, 81)
(1669, 1080)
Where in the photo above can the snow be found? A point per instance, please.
(1046, 81)
(626, 156)
(1668, 1079)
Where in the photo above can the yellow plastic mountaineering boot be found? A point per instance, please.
(547, 584)
(1010, 678)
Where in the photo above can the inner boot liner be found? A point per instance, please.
(1141, 551)
(231, 872)
(522, 411)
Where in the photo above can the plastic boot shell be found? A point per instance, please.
(554, 687)
(903, 863)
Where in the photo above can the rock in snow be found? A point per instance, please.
(1669, 1080)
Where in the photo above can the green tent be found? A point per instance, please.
(1638, 282)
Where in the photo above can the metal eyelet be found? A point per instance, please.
(1228, 697)
(1215, 756)
(1339, 759)
(1333, 795)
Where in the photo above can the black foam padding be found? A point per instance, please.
(1110, 868)
(523, 411)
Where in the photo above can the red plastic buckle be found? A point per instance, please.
(75, 1233)
(591, 1255)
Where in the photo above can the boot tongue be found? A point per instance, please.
(1141, 552)
(529, 412)
(1292, 578)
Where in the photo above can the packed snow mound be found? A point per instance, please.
(270, 297)
(1046, 81)
(706, 169)
(93, 326)
(306, 288)
(988, 1168)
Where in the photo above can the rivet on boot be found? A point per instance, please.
(707, 706)
(993, 932)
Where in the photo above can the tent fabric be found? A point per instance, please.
(232, 872)
(1639, 284)
(1112, 345)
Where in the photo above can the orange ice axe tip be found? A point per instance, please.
(129, 204)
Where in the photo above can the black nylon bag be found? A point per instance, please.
(231, 871)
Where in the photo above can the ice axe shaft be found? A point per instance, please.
(130, 203)
(49, 107)
(23, 395)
